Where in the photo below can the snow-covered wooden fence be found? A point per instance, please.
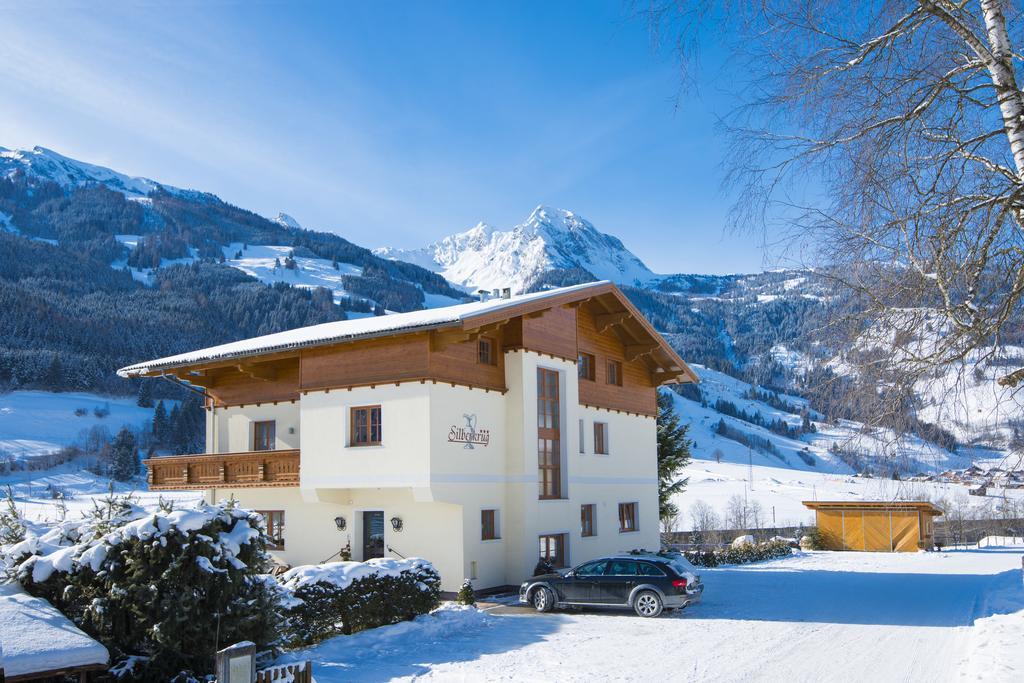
(297, 672)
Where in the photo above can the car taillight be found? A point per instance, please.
(679, 583)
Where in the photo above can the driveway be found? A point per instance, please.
(812, 617)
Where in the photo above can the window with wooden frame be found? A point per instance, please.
(627, 517)
(585, 366)
(365, 426)
(613, 373)
(486, 351)
(587, 520)
(489, 530)
(549, 448)
(264, 435)
(552, 550)
(601, 438)
(274, 521)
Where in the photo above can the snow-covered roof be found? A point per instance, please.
(349, 330)
(36, 638)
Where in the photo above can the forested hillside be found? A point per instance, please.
(75, 306)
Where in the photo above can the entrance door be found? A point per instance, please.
(373, 534)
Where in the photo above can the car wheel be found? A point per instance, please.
(648, 604)
(543, 600)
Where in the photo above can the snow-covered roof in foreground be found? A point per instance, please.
(36, 637)
(347, 330)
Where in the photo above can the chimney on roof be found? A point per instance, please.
(482, 293)
(506, 293)
(496, 293)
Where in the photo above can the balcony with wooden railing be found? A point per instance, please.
(223, 470)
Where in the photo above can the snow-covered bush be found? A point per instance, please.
(466, 595)
(168, 587)
(812, 540)
(742, 540)
(346, 597)
(741, 553)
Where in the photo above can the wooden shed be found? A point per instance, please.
(878, 526)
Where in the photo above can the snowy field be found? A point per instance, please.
(35, 423)
(722, 468)
(39, 422)
(877, 617)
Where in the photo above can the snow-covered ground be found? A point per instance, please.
(38, 422)
(722, 467)
(266, 264)
(819, 616)
(34, 491)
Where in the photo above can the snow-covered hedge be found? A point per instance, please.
(740, 553)
(346, 597)
(155, 585)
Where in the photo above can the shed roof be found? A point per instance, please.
(37, 639)
(467, 315)
(919, 505)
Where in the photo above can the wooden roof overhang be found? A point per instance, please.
(612, 311)
(916, 505)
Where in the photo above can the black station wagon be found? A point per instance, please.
(645, 583)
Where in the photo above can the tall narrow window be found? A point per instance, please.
(365, 426)
(274, 520)
(601, 438)
(627, 517)
(614, 373)
(549, 450)
(587, 520)
(552, 549)
(583, 448)
(585, 366)
(485, 351)
(489, 525)
(263, 435)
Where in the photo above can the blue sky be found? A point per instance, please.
(388, 123)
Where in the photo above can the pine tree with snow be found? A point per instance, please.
(12, 529)
(466, 595)
(124, 456)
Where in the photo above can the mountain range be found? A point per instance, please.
(99, 269)
(484, 257)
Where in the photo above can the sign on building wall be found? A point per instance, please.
(469, 435)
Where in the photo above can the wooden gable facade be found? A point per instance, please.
(598, 321)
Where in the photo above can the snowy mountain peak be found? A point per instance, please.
(46, 164)
(287, 221)
(550, 238)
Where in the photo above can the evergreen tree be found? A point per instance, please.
(465, 596)
(54, 374)
(145, 394)
(12, 529)
(673, 455)
(124, 456)
(188, 426)
(160, 424)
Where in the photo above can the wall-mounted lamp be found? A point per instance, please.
(396, 523)
(340, 523)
